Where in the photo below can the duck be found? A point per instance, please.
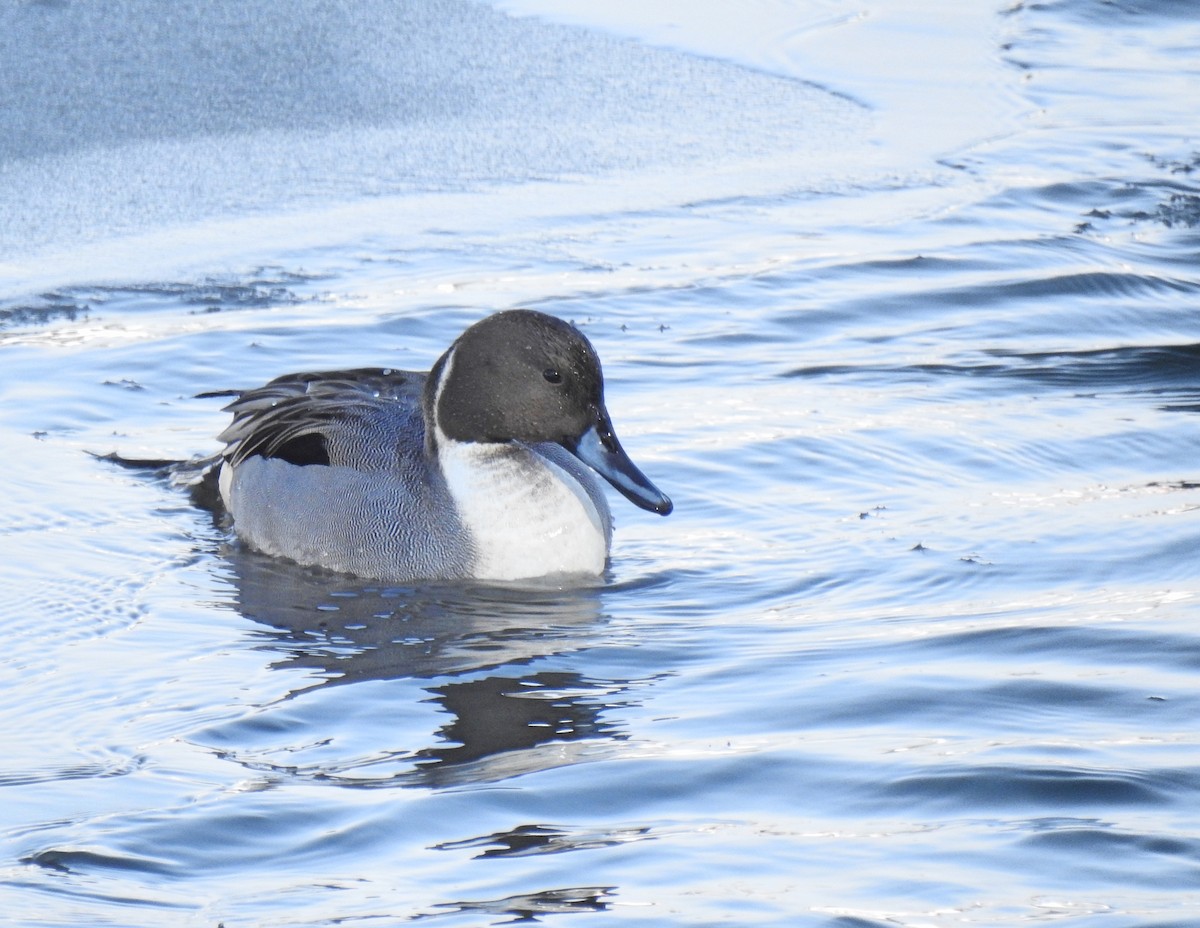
(484, 468)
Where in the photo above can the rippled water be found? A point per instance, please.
(896, 301)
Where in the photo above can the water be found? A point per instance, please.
(896, 301)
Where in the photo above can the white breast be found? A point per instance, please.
(527, 517)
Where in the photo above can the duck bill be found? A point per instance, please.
(599, 449)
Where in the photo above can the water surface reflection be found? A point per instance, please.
(478, 653)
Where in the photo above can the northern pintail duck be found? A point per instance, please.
(474, 470)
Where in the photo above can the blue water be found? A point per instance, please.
(896, 300)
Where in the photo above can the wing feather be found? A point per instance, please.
(338, 409)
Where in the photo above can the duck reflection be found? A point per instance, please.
(507, 716)
(497, 731)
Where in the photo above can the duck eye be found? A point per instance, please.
(552, 375)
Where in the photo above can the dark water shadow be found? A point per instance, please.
(529, 907)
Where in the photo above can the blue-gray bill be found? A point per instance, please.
(599, 449)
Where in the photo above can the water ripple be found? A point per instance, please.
(1129, 368)
(997, 788)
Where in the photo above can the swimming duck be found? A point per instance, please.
(483, 468)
